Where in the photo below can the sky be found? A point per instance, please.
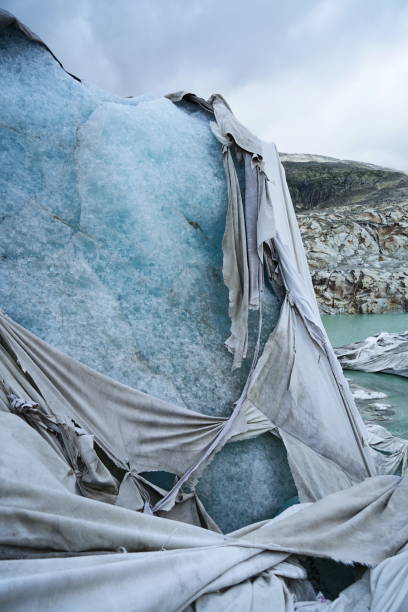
(327, 77)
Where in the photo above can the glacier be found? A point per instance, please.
(112, 214)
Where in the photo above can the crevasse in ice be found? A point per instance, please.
(112, 213)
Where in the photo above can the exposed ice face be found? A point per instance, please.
(112, 215)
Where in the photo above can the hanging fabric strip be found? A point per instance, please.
(316, 403)
(252, 203)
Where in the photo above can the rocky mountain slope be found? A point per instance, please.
(354, 226)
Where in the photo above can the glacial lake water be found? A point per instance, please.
(390, 411)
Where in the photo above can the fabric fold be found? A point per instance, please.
(153, 563)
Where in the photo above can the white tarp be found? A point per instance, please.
(385, 352)
(64, 547)
(138, 432)
(135, 561)
(390, 453)
(297, 383)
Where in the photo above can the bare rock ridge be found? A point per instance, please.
(352, 217)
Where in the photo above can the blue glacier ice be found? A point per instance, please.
(112, 213)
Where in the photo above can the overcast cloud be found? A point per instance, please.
(315, 76)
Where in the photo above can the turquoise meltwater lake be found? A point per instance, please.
(383, 398)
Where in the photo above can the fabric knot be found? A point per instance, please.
(224, 139)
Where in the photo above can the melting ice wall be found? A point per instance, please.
(112, 216)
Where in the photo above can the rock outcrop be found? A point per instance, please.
(353, 222)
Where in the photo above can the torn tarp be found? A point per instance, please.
(390, 453)
(297, 383)
(64, 551)
(137, 432)
(297, 375)
(385, 352)
(71, 437)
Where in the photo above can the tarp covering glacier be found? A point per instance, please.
(77, 513)
(66, 551)
(385, 352)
